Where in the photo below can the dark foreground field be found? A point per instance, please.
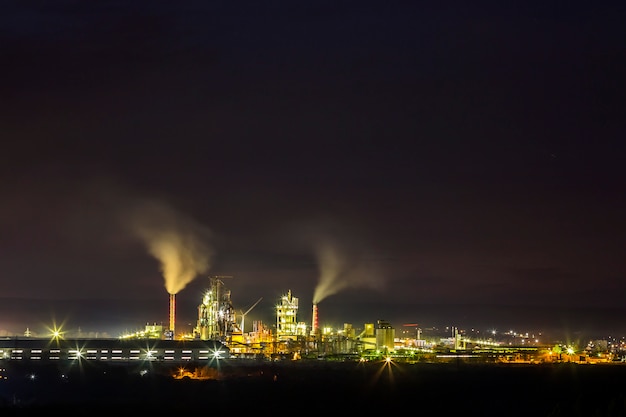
(261, 388)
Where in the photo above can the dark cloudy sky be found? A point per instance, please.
(441, 163)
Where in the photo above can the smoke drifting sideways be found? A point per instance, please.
(176, 241)
(340, 269)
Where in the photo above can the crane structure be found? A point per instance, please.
(243, 315)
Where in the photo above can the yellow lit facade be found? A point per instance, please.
(287, 326)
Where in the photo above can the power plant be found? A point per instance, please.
(218, 328)
(219, 341)
(220, 331)
(218, 321)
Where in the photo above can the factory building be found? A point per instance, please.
(287, 325)
(218, 335)
(385, 336)
(216, 316)
(379, 337)
(216, 326)
(122, 351)
(367, 338)
(217, 321)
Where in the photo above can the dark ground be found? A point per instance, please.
(260, 388)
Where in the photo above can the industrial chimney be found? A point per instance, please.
(315, 320)
(172, 314)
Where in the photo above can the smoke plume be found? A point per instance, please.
(176, 241)
(340, 270)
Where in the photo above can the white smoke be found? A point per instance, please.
(340, 269)
(176, 241)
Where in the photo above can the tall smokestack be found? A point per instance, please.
(172, 314)
(315, 320)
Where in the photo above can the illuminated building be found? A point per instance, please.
(216, 316)
(367, 338)
(122, 351)
(151, 331)
(385, 336)
(287, 326)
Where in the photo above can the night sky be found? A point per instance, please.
(441, 163)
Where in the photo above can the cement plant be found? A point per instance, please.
(291, 364)
(221, 333)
